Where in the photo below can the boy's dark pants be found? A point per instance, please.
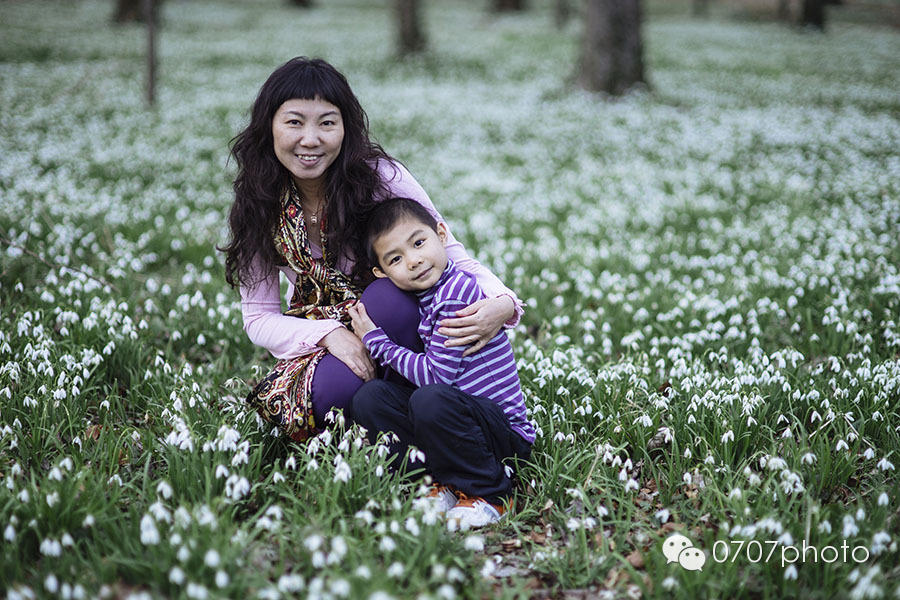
(465, 438)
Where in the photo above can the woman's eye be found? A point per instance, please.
(327, 123)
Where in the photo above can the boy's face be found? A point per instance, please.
(411, 254)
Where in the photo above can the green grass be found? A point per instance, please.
(710, 267)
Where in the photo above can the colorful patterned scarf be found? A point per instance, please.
(284, 396)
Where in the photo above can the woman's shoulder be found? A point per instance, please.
(391, 170)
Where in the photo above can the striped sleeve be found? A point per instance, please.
(438, 364)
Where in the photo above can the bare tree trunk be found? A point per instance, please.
(301, 3)
(410, 38)
(813, 14)
(700, 8)
(562, 12)
(149, 7)
(611, 51)
(784, 10)
(508, 5)
(130, 11)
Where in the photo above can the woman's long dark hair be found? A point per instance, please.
(350, 181)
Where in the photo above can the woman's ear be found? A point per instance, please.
(442, 232)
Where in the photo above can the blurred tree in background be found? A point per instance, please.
(562, 12)
(508, 5)
(301, 3)
(131, 11)
(410, 37)
(611, 50)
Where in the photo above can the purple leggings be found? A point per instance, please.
(397, 313)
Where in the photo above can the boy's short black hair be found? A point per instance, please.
(386, 214)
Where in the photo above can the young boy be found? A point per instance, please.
(467, 413)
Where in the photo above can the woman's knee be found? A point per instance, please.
(333, 386)
(395, 311)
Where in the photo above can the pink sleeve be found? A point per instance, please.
(265, 325)
(401, 183)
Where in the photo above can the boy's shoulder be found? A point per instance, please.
(460, 287)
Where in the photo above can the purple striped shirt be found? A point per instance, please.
(489, 373)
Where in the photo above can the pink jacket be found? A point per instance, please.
(289, 337)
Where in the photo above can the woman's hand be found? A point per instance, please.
(348, 349)
(477, 323)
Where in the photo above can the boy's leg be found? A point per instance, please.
(465, 439)
(381, 406)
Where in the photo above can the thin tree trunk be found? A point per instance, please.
(149, 7)
(130, 11)
(409, 27)
(813, 14)
(301, 3)
(784, 10)
(508, 5)
(700, 8)
(611, 51)
(562, 12)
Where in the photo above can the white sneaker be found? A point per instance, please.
(439, 499)
(470, 513)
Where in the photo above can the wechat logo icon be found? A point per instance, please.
(678, 548)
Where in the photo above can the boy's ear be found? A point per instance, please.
(442, 232)
(379, 273)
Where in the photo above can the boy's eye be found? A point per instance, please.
(418, 243)
(394, 260)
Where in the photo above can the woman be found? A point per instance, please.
(307, 174)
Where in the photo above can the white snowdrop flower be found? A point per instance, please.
(379, 471)
(338, 547)
(728, 436)
(790, 572)
(808, 458)
(825, 526)
(211, 559)
(176, 575)
(850, 528)
(52, 498)
(290, 582)
(661, 515)
(55, 474)
(687, 479)
(363, 572)
(51, 583)
(149, 533)
(164, 489)
(318, 559)
(197, 591)
(9, 534)
(66, 540)
(201, 339)
(446, 591)
(290, 463)
(277, 477)
(869, 454)
(735, 494)
(573, 524)
(412, 526)
(885, 465)
(222, 471)
(631, 485)
(387, 544)
(395, 570)
(380, 595)
(841, 445)
(342, 472)
(312, 465)
(160, 512)
(669, 583)
(221, 579)
(860, 514)
(475, 543)
(115, 479)
(88, 521)
(51, 547)
(341, 588)
(883, 499)
(313, 542)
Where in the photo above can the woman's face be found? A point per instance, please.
(307, 138)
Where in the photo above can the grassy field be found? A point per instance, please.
(711, 346)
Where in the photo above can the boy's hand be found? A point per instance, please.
(360, 320)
